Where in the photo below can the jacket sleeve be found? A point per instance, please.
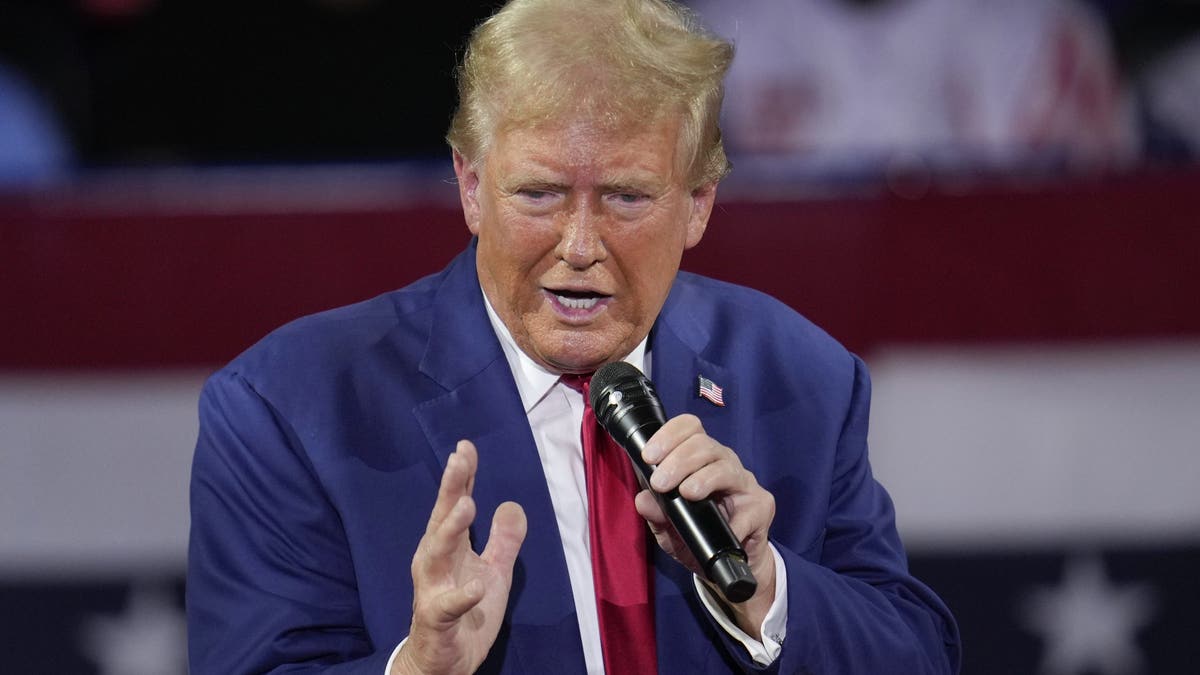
(853, 607)
(270, 584)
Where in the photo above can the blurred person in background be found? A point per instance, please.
(856, 86)
(33, 146)
(1169, 92)
(43, 94)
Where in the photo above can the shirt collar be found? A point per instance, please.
(533, 380)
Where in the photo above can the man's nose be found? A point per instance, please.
(581, 244)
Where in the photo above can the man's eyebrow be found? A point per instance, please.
(651, 185)
(516, 182)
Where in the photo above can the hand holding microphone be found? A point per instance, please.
(627, 406)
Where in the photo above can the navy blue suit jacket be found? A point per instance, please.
(321, 449)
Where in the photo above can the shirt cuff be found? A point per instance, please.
(392, 658)
(774, 626)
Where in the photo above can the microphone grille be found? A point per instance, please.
(609, 375)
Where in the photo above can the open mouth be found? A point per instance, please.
(578, 300)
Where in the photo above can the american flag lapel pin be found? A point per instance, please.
(711, 391)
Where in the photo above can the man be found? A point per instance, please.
(347, 464)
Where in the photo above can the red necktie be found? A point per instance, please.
(620, 560)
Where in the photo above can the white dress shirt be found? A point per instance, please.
(555, 413)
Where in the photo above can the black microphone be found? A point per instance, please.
(627, 406)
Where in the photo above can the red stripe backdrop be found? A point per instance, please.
(88, 284)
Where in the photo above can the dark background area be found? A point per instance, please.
(243, 82)
(148, 82)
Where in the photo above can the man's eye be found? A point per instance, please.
(629, 198)
(535, 195)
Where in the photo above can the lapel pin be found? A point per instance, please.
(711, 391)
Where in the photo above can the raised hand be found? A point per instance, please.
(459, 597)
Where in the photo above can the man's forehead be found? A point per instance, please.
(645, 150)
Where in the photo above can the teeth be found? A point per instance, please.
(577, 303)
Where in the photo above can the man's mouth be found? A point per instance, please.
(577, 300)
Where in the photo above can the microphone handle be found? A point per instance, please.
(699, 523)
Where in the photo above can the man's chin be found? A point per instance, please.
(582, 356)
(577, 365)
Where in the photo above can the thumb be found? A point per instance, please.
(648, 508)
(509, 527)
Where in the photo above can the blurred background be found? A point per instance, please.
(996, 203)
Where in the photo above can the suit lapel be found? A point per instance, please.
(481, 404)
(677, 358)
(677, 361)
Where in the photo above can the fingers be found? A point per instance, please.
(699, 467)
(648, 508)
(447, 532)
(450, 534)
(752, 514)
(452, 604)
(674, 432)
(458, 480)
(692, 461)
(508, 533)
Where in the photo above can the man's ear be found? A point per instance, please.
(702, 205)
(468, 188)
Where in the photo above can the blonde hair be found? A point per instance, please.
(623, 62)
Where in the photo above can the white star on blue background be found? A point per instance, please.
(148, 638)
(1088, 624)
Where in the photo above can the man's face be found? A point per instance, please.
(581, 230)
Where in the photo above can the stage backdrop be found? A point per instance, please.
(1035, 350)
